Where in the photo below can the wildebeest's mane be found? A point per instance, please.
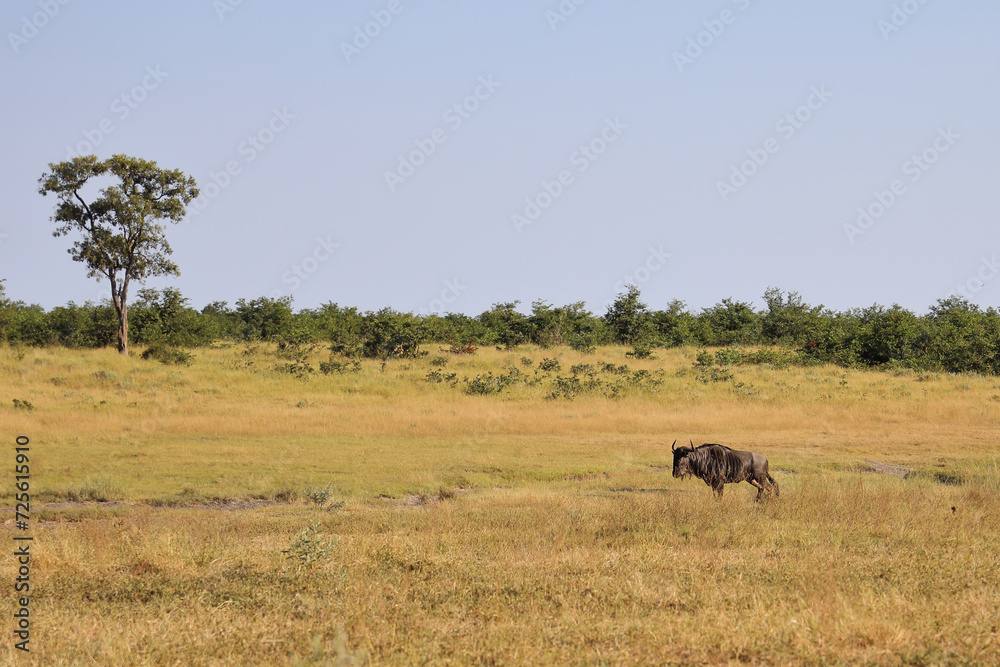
(715, 462)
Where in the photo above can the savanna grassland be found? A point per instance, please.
(243, 510)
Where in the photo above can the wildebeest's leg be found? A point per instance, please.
(760, 488)
(718, 489)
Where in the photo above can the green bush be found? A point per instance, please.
(438, 377)
(788, 320)
(485, 385)
(889, 335)
(339, 367)
(641, 350)
(505, 326)
(549, 365)
(675, 326)
(266, 319)
(963, 338)
(730, 323)
(392, 335)
(165, 317)
(629, 321)
(166, 354)
(341, 326)
(955, 336)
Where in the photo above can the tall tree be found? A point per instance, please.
(121, 238)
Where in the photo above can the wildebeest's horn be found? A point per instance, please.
(692, 443)
(673, 446)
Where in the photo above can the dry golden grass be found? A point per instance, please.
(500, 529)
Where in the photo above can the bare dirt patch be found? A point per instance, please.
(885, 469)
(415, 500)
(73, 505)
(634, 490)
(219, 504)
(237, 504)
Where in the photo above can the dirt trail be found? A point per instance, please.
(221, 504)
(886, 469)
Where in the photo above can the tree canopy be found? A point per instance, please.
(121, 238)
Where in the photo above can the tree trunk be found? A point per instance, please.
(123, 328)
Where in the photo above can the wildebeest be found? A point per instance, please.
(719, 465)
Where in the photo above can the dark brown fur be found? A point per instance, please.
(718, 465)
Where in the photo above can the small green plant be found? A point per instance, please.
(297, 356)
(641, 350)
(320, 496)
(704, 358)
(23, 405)
(309, 547)
(549, 364)
(339, 367)
(567, 388)
(527, 362)
(709, 374)
(168, 355)
(300, 369)
(438, 376)
(105, 376)
(439, 362)
(484, 385)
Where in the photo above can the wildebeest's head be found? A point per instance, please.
(682, 463)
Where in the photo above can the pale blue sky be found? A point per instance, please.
(200, 81)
